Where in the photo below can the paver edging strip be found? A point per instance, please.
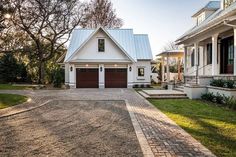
(204, 149)
(29, 109)
(147, 152)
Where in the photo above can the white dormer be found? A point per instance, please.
(206, 11)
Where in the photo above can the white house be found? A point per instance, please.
(210, 46)
(107, 58)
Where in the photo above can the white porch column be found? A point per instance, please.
(101, 74)
(196, 50)
(234, 51)
(215, 69)
(185, 59)
(162, 70)
(168, 68)
(196, 61)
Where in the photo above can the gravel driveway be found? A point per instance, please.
(70, 128)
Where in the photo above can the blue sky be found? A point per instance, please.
(162, 20)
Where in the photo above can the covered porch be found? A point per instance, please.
(166, 58)
(211, 55)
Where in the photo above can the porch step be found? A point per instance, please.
(160, 95)
(179, 89)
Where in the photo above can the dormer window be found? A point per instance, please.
(200, 19)
(101, 45)
(227, 3)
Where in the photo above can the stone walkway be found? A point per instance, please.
(163, 136)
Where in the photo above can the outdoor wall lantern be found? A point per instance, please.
(101, 69)
(71, 68)
(130, 68)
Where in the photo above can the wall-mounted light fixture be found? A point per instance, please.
(101, 69)
(71, 68)
(115, 65)
(86, 65)
(130, 68)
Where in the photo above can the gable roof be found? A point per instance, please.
(123, 38)
(212, 5)
(218, 16)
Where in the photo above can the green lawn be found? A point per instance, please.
(8, 100)
(214, 127)
(11, 87)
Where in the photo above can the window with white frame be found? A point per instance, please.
(101, 45)
(140, 72)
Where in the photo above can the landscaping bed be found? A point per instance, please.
(8, 100)
(212, 125)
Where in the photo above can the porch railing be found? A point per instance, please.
(195, 71)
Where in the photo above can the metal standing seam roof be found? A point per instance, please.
(142, 46)
(124, 37)
(212, 5)
(217, 15)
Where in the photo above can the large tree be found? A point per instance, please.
(101, 13)
(49, 24)
(6, 10)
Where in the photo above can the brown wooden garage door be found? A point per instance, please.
(86, 78)
(115, 78)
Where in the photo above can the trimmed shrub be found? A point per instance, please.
(219, 98)
(229, 102)
(208, 96)
(223, 83)
(135, 86)
(217, 83)
(229, 84)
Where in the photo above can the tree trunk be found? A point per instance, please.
(41, 73)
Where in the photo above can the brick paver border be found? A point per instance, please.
(147, 152)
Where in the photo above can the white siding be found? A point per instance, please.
(90, 50)
(147, 72)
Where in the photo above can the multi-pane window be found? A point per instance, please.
(200, 19)
(209, 53)
(101, 45)
(227, 3)
(140, 72)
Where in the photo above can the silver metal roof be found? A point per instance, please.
(136, 46)
(142, 46)
(212, 5)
